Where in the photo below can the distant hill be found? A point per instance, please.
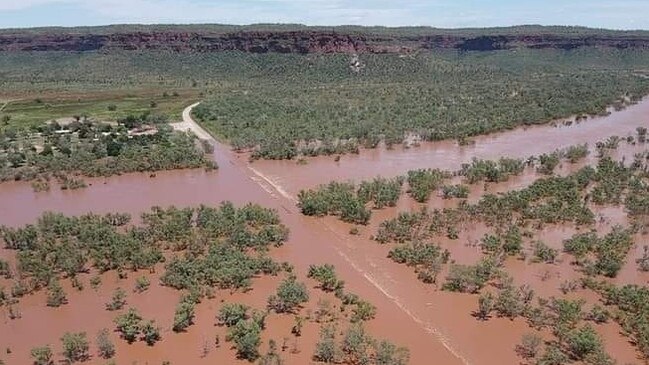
(293, 38)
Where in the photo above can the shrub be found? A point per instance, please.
(55, 294)
(231, 313)
(184, 316)
(142, 284)
(455, 191)
(75, 346)
(423, 182)
(544, 253)
(584, 342)
(470, 279)
(42, 355)
(326, 349)
(118, 301)
(105, 346)
(129, 325)
(486, 303)
(326, 276)
(246, 336)
(150, 333)
(363, 311)
(290, 294)
(529, 346)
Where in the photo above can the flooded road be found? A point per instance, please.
(436, 326)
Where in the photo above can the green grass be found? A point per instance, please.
(33, 112)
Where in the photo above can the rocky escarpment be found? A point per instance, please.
(307, 41)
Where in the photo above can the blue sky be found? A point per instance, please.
(620, 14)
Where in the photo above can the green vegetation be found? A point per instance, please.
(515, 221)
(455, 191)
(246, 336)
(75, 347)
(130, 325)
(55, 294)
(88, 148)
(491, 171)
(223, 247)
(231, 313)
(141, 284)
(610, 251)
(632, 302)
(470, 279)
(544, 253)
(290, 295)
(105, 346)
(423, 182)
(184, 316)
(356, 347)
(548, 162)
(382, 192)
(118, 301)
(338, 199)
(326, 276)
(105, 105)
(427, 259)
(42, 355)
(315, 100)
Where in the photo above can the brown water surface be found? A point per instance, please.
(448, 155)
(437, 326)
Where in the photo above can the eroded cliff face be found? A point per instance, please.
(302, 42)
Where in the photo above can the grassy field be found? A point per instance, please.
(101, 106)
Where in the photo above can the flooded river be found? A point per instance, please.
(437, 326)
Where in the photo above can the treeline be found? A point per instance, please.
(88, 148)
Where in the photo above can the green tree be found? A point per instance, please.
(246, 336)
(55, 294)
(326, 349)
(363, 311)
(118, 300)
(389, 354)
(150, 333)
(75, 346)
(129, 325)
(290, 294)
(105, 346)
(584, 342)
(355, 345)
(42, 355)
(142, 284)
(326, 276)
(184, 316)
(231, 313)
(486, 304)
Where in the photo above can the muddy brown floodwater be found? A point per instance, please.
(436, 326)
(447, 155)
